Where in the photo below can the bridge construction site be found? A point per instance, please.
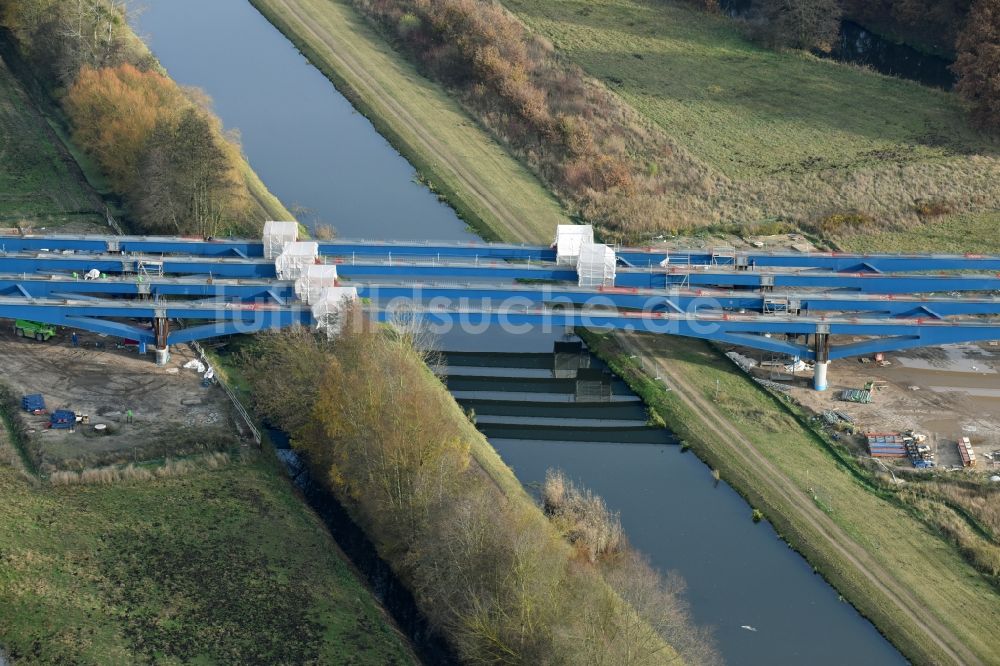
(817, 307)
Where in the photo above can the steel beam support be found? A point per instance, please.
(642, 257)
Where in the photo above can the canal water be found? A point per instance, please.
(310, 147)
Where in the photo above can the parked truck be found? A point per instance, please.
(32, 329)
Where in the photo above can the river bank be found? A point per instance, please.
(484, 564)
(490, 190)
(906, 551)
(816, 504)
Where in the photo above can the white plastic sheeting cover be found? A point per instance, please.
(745, 362)
(196, 365)
(569, 239)
(277, 235)
(292, 262)
(328, 310)
(596, 266)
(797, 366)
(316, 277)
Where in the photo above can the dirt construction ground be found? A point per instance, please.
(172, 413)
(944, 392)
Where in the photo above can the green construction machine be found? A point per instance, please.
(32, 329)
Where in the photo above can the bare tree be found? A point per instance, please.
(978, 63)
(798, 24)
(660, 610)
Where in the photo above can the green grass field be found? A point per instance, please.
(38, 182)
(216, 566)
(970, 232)
(746, 110)
(796, 135)
(934, 570)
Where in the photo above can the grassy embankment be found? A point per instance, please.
(489, 189)
(898, 540)
(971, 232)
(796, 134)
(219, 565)
(199, 560)
(39, 184)
(486, 567)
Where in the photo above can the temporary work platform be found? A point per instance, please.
(569, 239)
(596, 266)
(277, 235)
(314, 280)
(292, 262)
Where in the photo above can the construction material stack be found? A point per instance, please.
(62, 419)
(277, 235)
(918, 450)
(966, 453)
(33, 403)
(863, 396)
(886, 445)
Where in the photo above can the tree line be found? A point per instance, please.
(502, 583)
(159, 146)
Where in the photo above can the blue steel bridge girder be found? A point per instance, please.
(134, 244)
(749, 332)
(681, 301)
(108, 327)
(501, 272)
(872, 284)
(282, 292)
(112, 265)
(102, 316)
(67, 287)
(643, 257)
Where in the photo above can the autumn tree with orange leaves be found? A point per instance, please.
(157, 147)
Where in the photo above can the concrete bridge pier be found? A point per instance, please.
(822, 342)
(160, 329)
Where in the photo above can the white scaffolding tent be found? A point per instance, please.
(295, 258)
(316, 277)
(328, 310)
(596, 266)
(277, 235)
(569, 239)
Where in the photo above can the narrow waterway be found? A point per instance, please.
(313, 150)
